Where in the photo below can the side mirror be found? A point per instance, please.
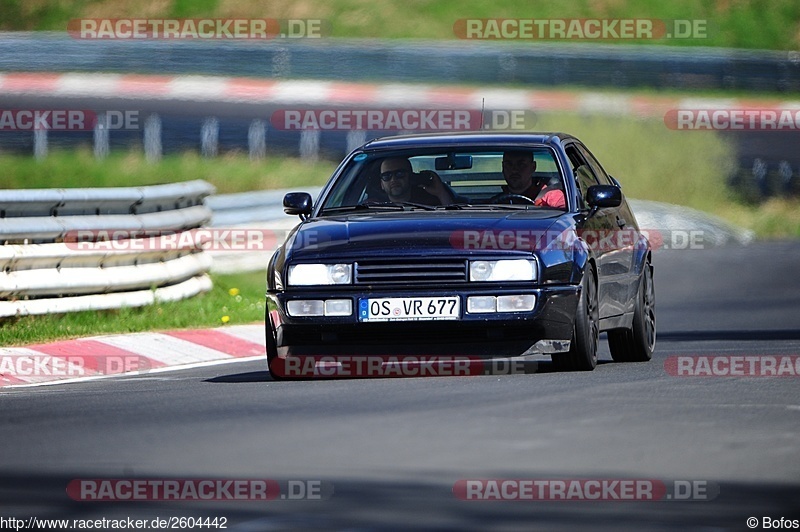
(603, 196)
(299, 203)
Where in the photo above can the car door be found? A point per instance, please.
(595, 232)
(628, 232)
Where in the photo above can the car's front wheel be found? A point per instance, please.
(272, 351)
(638, 343)
(582, 354)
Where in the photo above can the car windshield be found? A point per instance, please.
(460, 178)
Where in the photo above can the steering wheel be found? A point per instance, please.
(512, 197)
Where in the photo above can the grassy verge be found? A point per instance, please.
(776, 218)
(235, 299)
(740, 24)
(234, 172)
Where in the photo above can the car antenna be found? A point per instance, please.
(483, 107)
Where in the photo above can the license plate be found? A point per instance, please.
(409, 308)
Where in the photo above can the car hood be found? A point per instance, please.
(405, 233)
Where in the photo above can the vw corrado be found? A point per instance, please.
(476, 244)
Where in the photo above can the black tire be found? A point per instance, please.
(272, 349)
(638, 343)
(582, 354)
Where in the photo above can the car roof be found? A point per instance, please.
(466, 139)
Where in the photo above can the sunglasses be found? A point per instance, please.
(399, 174)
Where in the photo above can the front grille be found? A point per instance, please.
(405, 272)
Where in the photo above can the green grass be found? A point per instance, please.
(240, 297)
(775, 218)
(773, 24)
(229, 173)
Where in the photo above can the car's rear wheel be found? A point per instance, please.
(638, 343)
(582, 354)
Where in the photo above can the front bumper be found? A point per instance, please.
(546, 329)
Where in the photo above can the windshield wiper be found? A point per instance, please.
(504, 206)
(454, 206)
(380, 205)
(362, 207)
(412, 204)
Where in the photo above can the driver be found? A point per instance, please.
(396, 177)
(518, 168)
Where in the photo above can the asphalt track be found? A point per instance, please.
(389, 451)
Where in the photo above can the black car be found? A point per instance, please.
(455, 244)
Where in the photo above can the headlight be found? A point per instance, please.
(502, 270)
(320, 274)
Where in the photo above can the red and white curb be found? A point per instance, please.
(128, 354)
(317, 92)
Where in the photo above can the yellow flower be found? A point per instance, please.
(233, 292)
(225, 319)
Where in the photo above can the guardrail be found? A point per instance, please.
(255, 211)
(45, 269)
(250, 207)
